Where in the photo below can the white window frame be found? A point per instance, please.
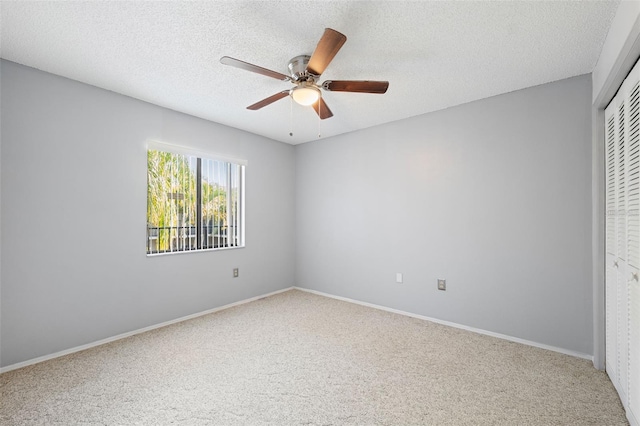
(202, 155)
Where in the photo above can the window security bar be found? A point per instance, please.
(185, 238)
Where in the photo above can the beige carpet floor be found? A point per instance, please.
(301, 359)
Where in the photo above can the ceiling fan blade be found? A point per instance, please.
(226, 60)
(322, 109)
(271, 99)
(356, 86)
(327, 47)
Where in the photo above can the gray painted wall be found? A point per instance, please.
(494, 196)
(74, 268)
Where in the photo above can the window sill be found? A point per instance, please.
(168, 253)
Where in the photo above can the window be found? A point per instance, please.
(194, 202)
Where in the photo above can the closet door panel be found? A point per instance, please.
(611, 197)
(622, 291)
(632, 124)
(622, 338)
(612, 319)
(611, 244)
(633, 245)
(634, 342)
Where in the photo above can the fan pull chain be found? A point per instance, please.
(291, 116)
(319, 115)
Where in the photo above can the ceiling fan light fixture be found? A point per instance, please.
(305, 95)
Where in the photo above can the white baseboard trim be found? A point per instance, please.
(134, 332)
(455, 325)
(633, 420)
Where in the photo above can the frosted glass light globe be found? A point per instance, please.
(305, 95)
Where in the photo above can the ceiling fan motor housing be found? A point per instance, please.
(298, 68)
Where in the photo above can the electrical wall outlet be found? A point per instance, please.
(235, 272)
(442, 285)
(399, 277)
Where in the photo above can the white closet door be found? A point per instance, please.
(634, 346)
(612, 322)
(622, 281)
(612, 263)
(633, 176)
(633, 241)
(622, 289)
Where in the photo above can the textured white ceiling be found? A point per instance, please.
(434, 54)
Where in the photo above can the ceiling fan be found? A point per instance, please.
(305, 71)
